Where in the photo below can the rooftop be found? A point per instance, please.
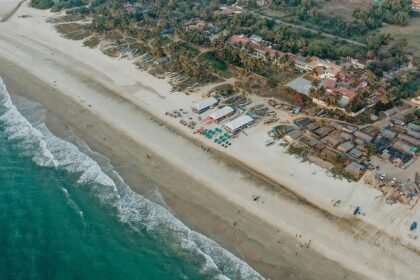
(205, 104)
(239, 122)
(221, 113)
(301, 85)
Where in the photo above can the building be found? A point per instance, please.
(300, 62)
(229, 11)
(221, 114)
(382, 143)
(303, 121)
(345, 147)
(357, 63)
(403, 147)
(390, 112)
(323, 131)
(407, 138)
(344, 90)
(239, 123)
(415, 5)
(413, 133)
(346, 136)
(204, 105)
(355, 169)
(333, 139)
(363, 137)
(312, 126)
(129, 7)
(256, 39)
(293, 136)
(413, 130)
(259, 50)
(300, 85)
(388, 133)
(325, 68)
(355, 153)
(329, 154)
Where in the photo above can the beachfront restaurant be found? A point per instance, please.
(239, 123)
(221, 114)
(204, 105)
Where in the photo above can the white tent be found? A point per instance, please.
(221, 113)
(239, 123)
(205, 105)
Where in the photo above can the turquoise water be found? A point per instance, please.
(66, 214)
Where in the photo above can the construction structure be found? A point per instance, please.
(220, 114)
(239, 123)
(204, 105)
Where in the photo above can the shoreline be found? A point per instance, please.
(244, 240)
(297, 216)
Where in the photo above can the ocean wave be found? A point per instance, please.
(37, 142)
(18, 129)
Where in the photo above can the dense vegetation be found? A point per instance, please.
(388, 11)
(191, 37)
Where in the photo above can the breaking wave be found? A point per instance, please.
(35, 141)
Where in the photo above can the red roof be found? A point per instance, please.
(346, 92)
(129, 7)
(330, 83)
(239, 39)
(228, 11)
(244, 40)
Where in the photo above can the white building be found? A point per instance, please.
(256, 39)
(238, 123)
(204, 105)
(221, 114)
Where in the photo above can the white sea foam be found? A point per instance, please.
(20, 130)
(133, 209)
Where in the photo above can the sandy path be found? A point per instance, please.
(7, 8)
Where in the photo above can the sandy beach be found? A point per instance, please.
(289, 233)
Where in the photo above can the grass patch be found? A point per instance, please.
(92, 42)
(74, 31)
(217, 64)
(112, 52)
(180, 46)
(342, 8)
(410, 32)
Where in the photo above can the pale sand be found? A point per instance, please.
(7, 6)
(113, 86)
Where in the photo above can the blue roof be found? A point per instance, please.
(382, 143)
(394, 153)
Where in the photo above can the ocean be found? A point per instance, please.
(65, 213)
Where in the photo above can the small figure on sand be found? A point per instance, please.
(413, 226)
(149, 155)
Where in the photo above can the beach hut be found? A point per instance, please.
(221, 114)
(204, 105)
(238, 123)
